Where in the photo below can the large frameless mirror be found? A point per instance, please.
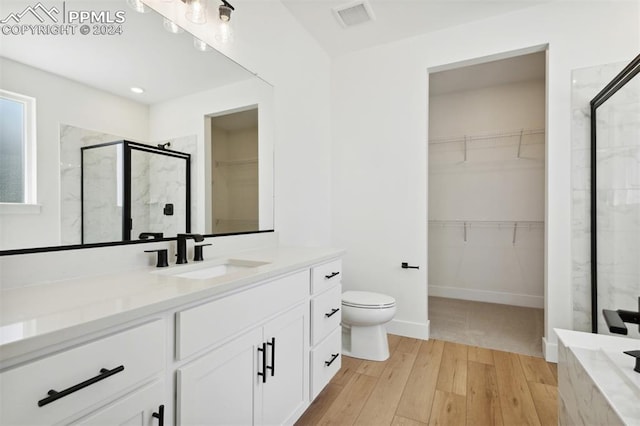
(80, 85)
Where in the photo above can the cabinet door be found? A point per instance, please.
(135, 409)
(285, 393)
(221, 387)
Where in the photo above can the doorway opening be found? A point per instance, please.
(486, 211)
(234, 172)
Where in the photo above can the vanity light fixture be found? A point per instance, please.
(137, 90)
(224, 11)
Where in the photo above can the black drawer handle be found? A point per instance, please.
(332, 313)
(331, 275)
(55, 395)
(159, 415)
(333, 358)
(272, 343)
(263, 373)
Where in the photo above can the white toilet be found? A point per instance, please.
(363, 317)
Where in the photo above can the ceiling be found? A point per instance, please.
(394, 19)
(145, 55)
(505, 71)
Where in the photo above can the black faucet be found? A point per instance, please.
(181, 252)
(147, 235)
(615, 319)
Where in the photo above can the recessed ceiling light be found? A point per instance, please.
(138, 90)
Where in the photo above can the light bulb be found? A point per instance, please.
(171, 26)
(224, 32)
(197, 11)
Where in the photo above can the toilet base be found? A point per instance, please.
(368, 342)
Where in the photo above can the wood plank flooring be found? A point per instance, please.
(432, 382)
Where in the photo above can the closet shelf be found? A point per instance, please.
(500, 224)
(487, 136)
(516, 135)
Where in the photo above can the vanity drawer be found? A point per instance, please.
(325, 313)
(205, 325)
(115, 364)
(325, 361)
(325, 276)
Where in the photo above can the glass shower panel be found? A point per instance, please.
(158, 193)
(102, 196)
(618, 201)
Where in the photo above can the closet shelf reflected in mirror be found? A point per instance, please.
(243, 162)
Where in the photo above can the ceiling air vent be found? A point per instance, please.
(353, 13)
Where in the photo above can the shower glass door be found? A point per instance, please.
(102, 193)
(616, 198)
(158, 193)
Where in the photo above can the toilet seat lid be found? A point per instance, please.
(367, 299)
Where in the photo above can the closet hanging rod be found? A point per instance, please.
(470, 138)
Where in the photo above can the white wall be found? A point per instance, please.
(500, 185)
(60, 101)
(379, 123)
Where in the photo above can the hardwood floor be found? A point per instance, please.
(439, 383)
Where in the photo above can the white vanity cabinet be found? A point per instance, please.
(326, 333)
(251, 350)
(261, 375)
(83, 381)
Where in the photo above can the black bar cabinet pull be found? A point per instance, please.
(160, 415)
(55, 395)
(332, 313)
(331, 275)
(272, 343)
(405, 265)
(262, 373)
(333, 358)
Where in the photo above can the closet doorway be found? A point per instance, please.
(234, 175)
(487, 203)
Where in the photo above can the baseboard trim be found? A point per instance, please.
(524, 300)
(550, 350)
(416, 330)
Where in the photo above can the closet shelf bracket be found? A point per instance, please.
(520, 142)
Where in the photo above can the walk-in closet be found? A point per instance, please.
(487, 203)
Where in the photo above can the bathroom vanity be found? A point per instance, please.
(245, 339)
(597, 383)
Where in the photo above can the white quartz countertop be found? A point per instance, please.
(609, 368)
(35, 317)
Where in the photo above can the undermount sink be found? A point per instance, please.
(212, 269)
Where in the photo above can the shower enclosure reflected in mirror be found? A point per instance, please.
(615, 197)
(133, 191)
